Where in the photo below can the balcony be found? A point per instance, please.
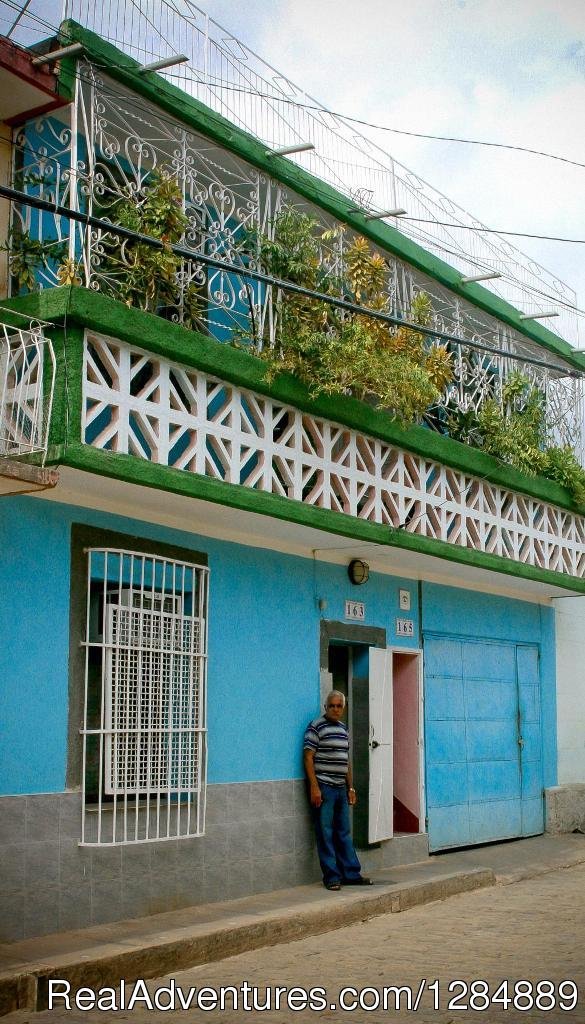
(195, 423)
(231, 79)
(103, 156)
(115, 166)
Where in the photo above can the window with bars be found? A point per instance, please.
(144, 750)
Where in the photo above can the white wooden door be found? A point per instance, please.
(381, 792)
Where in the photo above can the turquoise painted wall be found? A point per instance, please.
(263, 683)
(34, 650)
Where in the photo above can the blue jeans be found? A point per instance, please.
(337, 856)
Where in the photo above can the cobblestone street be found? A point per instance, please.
(531, 930)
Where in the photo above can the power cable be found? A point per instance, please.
(386, 128)
(494, 231)
(570, 307)
(15, 195)
(217, 83)
(429, 240)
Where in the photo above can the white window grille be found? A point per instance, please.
(144, 731)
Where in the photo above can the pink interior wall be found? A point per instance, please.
(406, 727)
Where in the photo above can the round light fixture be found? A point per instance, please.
(358, 571)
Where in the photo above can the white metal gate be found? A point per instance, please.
(144, 731)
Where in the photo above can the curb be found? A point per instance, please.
(27, 989)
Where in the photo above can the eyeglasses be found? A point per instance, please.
(335, 705)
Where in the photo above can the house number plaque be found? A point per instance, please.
(404, 627)
(355, 610)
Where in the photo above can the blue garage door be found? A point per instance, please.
(483, 741)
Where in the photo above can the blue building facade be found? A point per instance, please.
(485, 657)
(177, 606)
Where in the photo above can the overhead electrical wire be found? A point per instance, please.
(494, 231)
(88, 220)
(461, 253)
(217, 83)
(570, 307)
(386, 128)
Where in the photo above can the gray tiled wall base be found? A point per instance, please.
(258, 837)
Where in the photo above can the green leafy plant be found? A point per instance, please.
(28, 255)
(515, 432)
(135, 272)
(334, 352)
(563, 466)
(67, 273)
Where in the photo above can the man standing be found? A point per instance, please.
(328, 770)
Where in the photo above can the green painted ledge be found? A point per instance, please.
(199, 117)
(192, 485)
(81, 307)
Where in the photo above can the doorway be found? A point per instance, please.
(382, 687)
(348, 672)
(407, 741)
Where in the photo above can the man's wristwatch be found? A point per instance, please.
(350, 789)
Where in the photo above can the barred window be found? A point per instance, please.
(144, 749)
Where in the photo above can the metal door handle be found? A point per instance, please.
(375, 744)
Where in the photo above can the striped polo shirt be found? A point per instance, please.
(330, 741)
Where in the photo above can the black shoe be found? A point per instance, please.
(357, 881)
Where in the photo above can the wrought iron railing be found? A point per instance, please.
(104, 153)
(232, 79)
(27, 380)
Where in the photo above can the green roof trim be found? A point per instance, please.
(193, 485)
(76, 307)
(197, 116)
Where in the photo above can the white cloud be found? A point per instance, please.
(509, 71)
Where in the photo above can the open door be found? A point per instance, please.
(381, 790)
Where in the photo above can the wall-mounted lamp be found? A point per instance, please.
(300, 147)
(537, 316)
(165, 62)
(488, 276)
(54, 55)
(358, 571)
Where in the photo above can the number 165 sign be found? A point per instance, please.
(404, 627)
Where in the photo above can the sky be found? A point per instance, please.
(509, 71)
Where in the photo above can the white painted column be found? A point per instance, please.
(570, 634)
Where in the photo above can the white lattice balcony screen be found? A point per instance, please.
(144, 723)
(179, 417)
(27, 375)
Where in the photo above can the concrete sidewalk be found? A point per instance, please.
(154, 946)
